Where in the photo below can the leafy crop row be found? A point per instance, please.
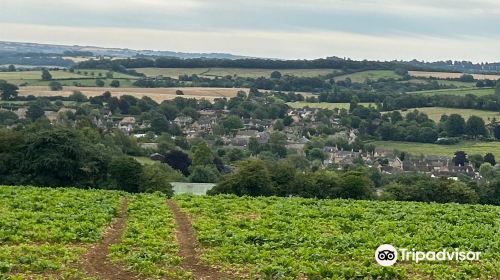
(149, 244)
(294, 238)
(44, 232)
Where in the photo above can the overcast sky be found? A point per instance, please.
(371, 29)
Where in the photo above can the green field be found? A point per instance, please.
(296, 238)
(46, 231)
(470, 147)
(435, 113)
(459, 92)
(361, 77)
(66, 78)
(441, 82)
(241, 72)
(324, 105)
(56, 233)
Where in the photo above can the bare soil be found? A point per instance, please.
(186, 237)
(97, 263)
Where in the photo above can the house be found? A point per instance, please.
(183, 121)
(51, 116)
(21, 113)
(127, 124)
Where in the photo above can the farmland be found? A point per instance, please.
(157, 94)
(84, 77)
(361, 77)
(324, 105)
(458, 92)
(470, 147)
(240, 72)
(450, 75)
(54, 233)
(277, 238)
(435, 113)
(47, 231)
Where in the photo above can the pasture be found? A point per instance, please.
(458, 92)
(324, 105)
(83, 77)
(435, 113)
(470, 147)
(450, 75)
(157, 94)
(361, 77)
(240, 72)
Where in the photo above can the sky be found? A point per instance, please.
(427, 30)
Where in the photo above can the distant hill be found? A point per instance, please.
(19, 48)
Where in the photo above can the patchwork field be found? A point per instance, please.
(458, 92)
(470, 147)
(91, 234)
(450, 75)
(241, 72)
(324, 105)
(157, 94)
(361, 77)
(435, 113)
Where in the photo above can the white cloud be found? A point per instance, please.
(264, 43)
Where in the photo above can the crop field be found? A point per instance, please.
(241, 72)
(47, 231)
(361, 77)
(324, 105)
(470, 147)
(458, 92)
(295, 238)
(157, 94)
(95, 234)
(435, 113)
(450, 75)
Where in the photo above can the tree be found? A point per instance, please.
(55, 86)
(276, 75)
(497, 87)
(126, 173)
(34, 112)
(252, 178)
(487, 171)
(460, 158)
(254, 146)
(203, 174)
(178, 160)
(232, 123)
(8, 91)
(157, 177)
(475, 127)
(46, 76)
(490, 158)
(115, 83)
(203, 155)
(357, 185)
(496, 131)
(316, 154)
(99, 83)
(159, 124)
(11, 68)
(78, 96)
(455, 125)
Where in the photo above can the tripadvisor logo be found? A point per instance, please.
(387, 255)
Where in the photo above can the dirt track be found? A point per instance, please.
(187, 240)
(96, 261)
